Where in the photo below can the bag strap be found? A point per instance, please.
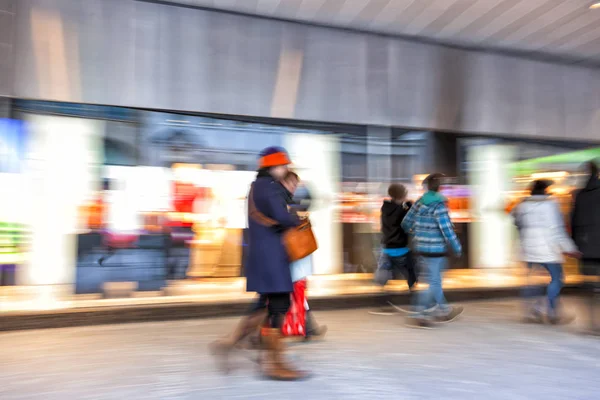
(256, 215)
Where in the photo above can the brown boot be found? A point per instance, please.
(254, 341)
(272, 363)
(222, 347)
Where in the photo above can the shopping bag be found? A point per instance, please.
(295, 319)
(301, 269)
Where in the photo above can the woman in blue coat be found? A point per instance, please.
(268, 265)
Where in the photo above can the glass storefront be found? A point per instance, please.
(14, 232)
(146, 199)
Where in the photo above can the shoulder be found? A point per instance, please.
(520, 205)
(518, 208)
(265, 184)
(440, 207)
(551, 203)
(268, 188)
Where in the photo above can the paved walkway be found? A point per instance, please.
(485, 355)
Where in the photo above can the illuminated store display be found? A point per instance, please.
(157, 201)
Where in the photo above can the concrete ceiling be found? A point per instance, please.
(563, 28)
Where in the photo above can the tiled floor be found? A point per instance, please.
(487, 354)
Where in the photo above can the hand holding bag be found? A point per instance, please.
(299, 242)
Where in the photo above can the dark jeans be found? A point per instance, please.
(395, 267)
(277, 305)
(591, 269)
(553, 290)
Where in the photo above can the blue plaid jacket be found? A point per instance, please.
(431, 229)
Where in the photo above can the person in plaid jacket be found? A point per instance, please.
(433, 239)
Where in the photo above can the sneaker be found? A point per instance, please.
(384, 310)
(534, 317)
(454, 313)
(564, 319)
(418, 323)
(412, 311)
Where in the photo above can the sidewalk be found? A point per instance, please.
(486, 354)
(31, 307)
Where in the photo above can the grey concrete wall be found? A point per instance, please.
(7, 27)
(4, 107)
(132, 53)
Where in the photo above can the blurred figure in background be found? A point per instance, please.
(302, 321)
(544, 241)
(395, 258)
(585, 225)
(268, 269)
(13, 239)
(429, 224)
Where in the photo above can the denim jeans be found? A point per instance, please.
(552, 291)
(430, 269)
(395, 267)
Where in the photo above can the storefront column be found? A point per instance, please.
(61, 171)
(441, 154)
(4, 107)
(317, 160)
(490, 180)
(379, 159)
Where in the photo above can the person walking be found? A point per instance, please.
(585, 228)
(395, 258)
(301, 269)
(268, 266)
(429, 224)
(544, 241)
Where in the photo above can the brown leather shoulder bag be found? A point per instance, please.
(299, 241)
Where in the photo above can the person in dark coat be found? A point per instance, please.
(268, 265)
(585, 228)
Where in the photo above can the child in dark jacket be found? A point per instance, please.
(395, 257)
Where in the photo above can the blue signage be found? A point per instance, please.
(12, 145)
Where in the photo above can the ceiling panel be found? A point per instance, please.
(452, 15)
(514, 16)
(537, 13)
(464, 19)
(563, 28)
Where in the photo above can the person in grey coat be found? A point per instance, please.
(544, 242)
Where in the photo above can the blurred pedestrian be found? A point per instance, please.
(302, 321)
(544, 241)
(395, 259)
(268, 268)
(432, 231)
(585, 226)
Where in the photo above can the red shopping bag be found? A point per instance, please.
(295, 319)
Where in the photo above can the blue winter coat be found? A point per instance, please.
(268, 266)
